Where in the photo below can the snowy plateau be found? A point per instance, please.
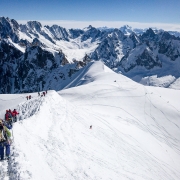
(135, 131)
(36, 57)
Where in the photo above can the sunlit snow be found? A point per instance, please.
(135, 131)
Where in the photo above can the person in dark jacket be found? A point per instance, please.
(4, 140)
(8, 116)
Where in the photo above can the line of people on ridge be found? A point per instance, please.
(11, 116)
(39, 94)
(28, 97)
(5, 134)
(43, 93)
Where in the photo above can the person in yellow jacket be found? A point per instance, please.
(5, 135)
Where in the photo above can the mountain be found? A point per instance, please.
(40, 52)
(127, 30)
(135, 130)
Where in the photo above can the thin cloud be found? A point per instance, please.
(110, 24)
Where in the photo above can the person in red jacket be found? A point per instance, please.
(15, 115)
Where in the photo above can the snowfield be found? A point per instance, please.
(135, 131)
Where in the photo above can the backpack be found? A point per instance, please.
(2, 136)
(9, 115)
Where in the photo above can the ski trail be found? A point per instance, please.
(120, 145)
(29, 108)
(4, 170)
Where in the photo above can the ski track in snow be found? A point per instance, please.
(31, 107)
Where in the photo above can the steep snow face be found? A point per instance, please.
(135, 131)
(84, 76)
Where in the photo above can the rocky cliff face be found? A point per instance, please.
(9, 28)
(34, 57)
(9, 56)
(30, 71)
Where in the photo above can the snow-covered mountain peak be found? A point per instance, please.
(149, 34)
(34, 25)
(126, 29)
(88, 28)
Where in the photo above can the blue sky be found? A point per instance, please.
(107, 11)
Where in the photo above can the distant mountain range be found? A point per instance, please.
(35, 57)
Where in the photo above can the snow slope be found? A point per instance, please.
(135, 131)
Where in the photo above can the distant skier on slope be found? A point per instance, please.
(4, 140)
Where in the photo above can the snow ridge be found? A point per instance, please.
(135, 131)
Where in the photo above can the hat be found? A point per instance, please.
(7, 110)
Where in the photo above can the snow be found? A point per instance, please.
(75, 49)
(16, 45)
(175, 84)
(164, 81)
(135, 131)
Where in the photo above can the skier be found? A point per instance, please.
(15, 115)
(44, 93)
(90, 127)
(38, 93)
(27, 97)
(4, 140)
